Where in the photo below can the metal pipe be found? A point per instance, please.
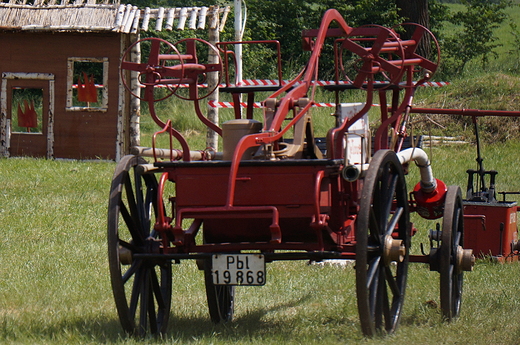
(428, 182)
(353, 172)
(465, 112)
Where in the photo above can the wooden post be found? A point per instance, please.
(135, 104)
(213, 79)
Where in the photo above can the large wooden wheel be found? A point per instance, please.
(382, 245)
(450, 250)
(141, 288)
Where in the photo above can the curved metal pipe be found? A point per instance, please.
(428, 182)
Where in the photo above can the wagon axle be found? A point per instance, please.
(462, 259)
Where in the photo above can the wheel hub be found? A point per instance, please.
(394, 250)
(465, 259)
(125, 256)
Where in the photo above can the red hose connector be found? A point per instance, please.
(430, 205)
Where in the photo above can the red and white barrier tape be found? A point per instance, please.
(269, 82)
(214, 104)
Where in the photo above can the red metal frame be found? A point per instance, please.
(277, 192)
(295, 204)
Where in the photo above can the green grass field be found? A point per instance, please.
(55, 286)
(54, 278)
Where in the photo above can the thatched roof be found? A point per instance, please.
(104, 15)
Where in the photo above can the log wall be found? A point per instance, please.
(77, 134)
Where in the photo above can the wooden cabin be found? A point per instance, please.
(61, 95)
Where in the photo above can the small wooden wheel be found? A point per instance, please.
(142, 288)
(452, 238)
(382, 245)
(164, 67)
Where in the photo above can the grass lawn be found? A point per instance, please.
(55, 285)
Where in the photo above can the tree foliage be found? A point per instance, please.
(475, 37)
(284, 20)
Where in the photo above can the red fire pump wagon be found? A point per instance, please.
(276, 192)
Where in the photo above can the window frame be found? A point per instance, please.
(70, 83)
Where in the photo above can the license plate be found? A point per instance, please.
(238, 269)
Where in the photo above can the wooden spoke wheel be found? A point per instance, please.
(451, 274)
(382, 245)
(142, 288)
(221, 298)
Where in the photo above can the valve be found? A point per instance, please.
(430, 205)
